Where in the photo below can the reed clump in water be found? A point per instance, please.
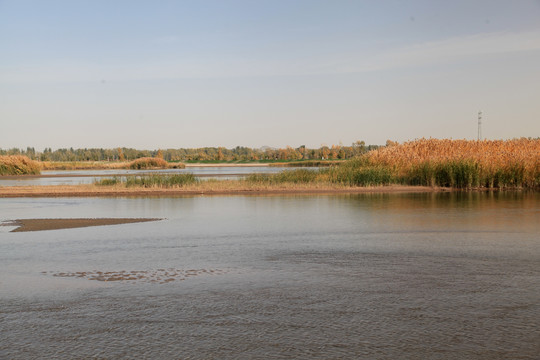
(150, 181)
(18, 165)
(148, 163)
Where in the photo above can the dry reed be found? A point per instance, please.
(82, 165)
(18, 165)
(149, 163)
(462, 163)
(141, 163)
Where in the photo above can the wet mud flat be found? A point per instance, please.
(58, 224)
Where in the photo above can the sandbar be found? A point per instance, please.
(223, 188)
(57, 224)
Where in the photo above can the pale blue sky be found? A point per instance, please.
(170, 74)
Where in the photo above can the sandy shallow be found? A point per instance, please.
(206, 189)
(57, 224)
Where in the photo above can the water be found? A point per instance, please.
(78, 177)
(374, 276)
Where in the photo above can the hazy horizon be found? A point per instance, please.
(178, 74)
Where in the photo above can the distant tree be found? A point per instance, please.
(121, 154)
(334, 152)
(325, 152)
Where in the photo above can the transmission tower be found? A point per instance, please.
(479, 125)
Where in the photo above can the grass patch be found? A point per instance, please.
(361, 176)
(18, 165)
(300, 176)
(108, 181)
(150, 181)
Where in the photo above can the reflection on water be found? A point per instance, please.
(378, 276)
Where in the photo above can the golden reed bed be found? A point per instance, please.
(487, 153)
(486, 163)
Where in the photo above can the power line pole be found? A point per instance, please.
(479, 125)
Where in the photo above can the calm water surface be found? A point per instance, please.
(373, 276)
(77, 177)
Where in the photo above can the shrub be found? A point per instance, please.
(148, 163)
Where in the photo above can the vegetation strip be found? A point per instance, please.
(209, 155)
(22, 165)
(57, 224)
(460, 164)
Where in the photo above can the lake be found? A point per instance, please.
(371, 276)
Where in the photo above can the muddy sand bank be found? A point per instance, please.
(221, 189)
(57, 224)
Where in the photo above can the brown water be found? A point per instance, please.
(374, 276)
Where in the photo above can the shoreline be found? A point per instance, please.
(95, 191)
(46, 176)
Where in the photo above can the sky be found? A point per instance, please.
(183, 74)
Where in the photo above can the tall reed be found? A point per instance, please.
(462, 163)
(18, 165)
(142, 163)
(359, 172)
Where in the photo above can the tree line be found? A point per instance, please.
(239, 153)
